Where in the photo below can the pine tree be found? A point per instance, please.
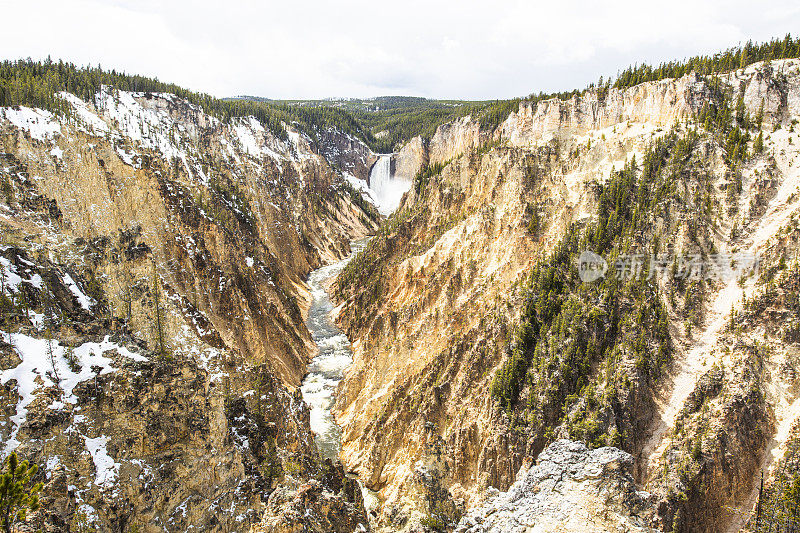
(81, 523)
(758, 146)
(2, 282)
(15, 499)
(159, 315)
(740, 110)
(50, 321)
(125, 291)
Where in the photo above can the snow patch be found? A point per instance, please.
(39, 123)
(362, 187)
(88, 121)
(85, 301)
(45, 362)
(106, 469)
(10, 277)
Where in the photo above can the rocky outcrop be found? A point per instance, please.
(456, 138)
(411, 157)
(333, 504)
(657, 104)
(346, 153)
(772, 89)
(449, 141)
(571, 488)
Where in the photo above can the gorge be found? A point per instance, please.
(247, 316)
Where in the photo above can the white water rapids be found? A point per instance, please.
(334, 356)
(326, 369)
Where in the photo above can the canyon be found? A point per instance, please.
(209, 326)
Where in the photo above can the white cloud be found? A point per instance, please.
(453, 49)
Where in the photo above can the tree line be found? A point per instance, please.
(385, 126)
(32, 83)
(730, 59)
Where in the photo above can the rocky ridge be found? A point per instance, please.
(437, 302)
(152, 314)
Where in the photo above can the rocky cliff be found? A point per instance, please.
(152, 315)
(453, 290)
(346, 153)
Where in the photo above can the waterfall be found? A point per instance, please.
(387, 189)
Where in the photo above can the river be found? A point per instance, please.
(327, 368)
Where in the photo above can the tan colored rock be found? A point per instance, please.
(428, 341)
(162, 215)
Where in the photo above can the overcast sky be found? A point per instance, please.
(313, 49)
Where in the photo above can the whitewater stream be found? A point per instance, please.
(334, 356)
(326, 369)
